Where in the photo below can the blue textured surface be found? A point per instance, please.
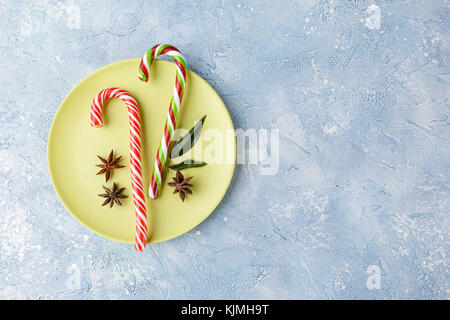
(364, 149)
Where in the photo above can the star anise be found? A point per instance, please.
(112, 195)
(108, 165)
(181, 185)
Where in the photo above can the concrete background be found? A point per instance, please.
(363, 181)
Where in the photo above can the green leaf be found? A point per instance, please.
(187, 164)
(187, 142)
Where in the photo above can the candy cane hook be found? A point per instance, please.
(135, 155)
(174, 108)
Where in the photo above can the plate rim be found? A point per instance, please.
(52, 174)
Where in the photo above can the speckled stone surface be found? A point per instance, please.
(362, 107)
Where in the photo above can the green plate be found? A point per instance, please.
(73, 147)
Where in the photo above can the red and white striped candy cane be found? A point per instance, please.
(174, 108)
(135, 155)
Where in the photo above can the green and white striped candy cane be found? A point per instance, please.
(172, 115)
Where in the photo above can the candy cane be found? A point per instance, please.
(174, 108)
(135, 155)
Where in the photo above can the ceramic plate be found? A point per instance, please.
(73, 147)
